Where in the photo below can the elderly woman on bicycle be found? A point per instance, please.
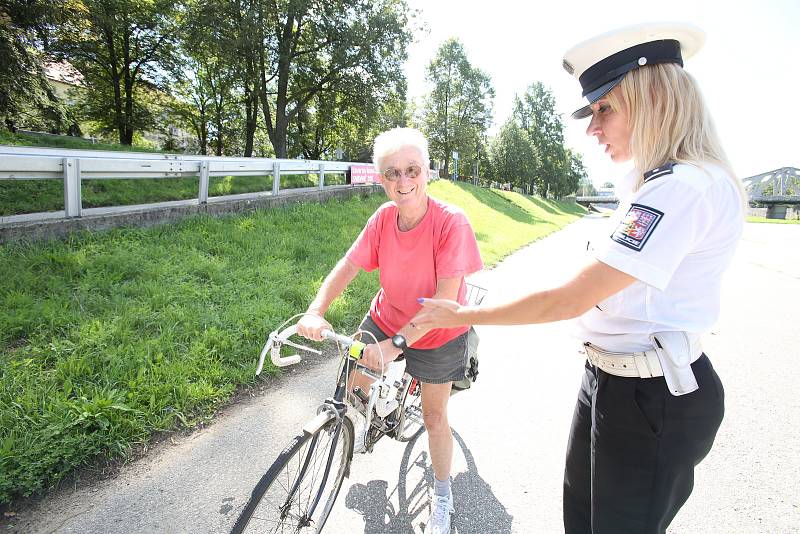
(422, 246)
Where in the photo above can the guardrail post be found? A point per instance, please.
(203, 193)
(321, 176)
(72, 187)
(276, 177)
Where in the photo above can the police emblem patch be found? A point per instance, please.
(636, 227)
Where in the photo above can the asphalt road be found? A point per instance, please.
(510, 429)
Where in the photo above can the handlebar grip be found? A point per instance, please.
(344, 340)
(356, 348)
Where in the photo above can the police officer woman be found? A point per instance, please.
(650, 402)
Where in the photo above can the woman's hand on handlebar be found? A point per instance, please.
(372, 354)
(311, 326)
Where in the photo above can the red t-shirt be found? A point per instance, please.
(442, 245)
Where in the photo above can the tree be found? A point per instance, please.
(347, 122)
(307, 52)
(26, 98)
(458, 110)
(210, 79)
(536, 114)
(572, 176)
(122, 48)
(512, 155)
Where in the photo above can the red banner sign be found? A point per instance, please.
(364, 174)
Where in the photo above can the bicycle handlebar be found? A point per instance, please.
(277, 339)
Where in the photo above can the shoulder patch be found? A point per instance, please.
(663, 170)
(636, 227)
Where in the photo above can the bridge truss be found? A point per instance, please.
(781, 186)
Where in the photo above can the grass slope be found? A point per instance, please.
(109, 337)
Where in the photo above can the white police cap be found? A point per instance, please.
(601, 62)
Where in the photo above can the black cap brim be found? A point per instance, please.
(596, 95)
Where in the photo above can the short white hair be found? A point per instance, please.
(396, 139)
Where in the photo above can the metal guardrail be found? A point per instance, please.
(73, 166)
(596, 199)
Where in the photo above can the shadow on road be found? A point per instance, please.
(477, 510)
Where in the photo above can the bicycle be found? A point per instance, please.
(298, 491)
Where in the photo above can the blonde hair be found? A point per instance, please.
(669, 120)
(394, 140)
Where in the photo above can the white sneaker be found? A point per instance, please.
(441, 508)
(360, 430)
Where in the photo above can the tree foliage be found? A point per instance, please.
(558, 170)
(458, 110)
(313, 55)
(26, 98)
(513, 157)
(122, 48)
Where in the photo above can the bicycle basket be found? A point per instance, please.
(475, 294)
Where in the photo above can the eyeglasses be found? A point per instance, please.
(392, 175)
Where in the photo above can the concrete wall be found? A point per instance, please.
(55, 228)
(792, 212)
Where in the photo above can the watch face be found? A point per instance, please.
(399, 341)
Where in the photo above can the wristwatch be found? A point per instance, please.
(399, 341)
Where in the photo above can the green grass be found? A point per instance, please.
(505, 221)
(774, 221)
(109, 337)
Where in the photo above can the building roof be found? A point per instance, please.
(64, 72)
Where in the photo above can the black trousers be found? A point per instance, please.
(633, 448)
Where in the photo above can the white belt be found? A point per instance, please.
(643, 364)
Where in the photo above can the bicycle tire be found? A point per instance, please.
(410, 424)
(271, 508)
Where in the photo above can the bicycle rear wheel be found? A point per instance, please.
(295, 494)
(411, 423)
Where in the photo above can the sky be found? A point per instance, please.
(748, 69)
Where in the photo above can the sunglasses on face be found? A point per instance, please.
(392, 175)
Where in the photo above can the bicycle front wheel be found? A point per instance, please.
(298, 491)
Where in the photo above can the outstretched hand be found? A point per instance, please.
(438, 313)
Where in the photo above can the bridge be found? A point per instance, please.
(776, 190)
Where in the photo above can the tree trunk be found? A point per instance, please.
(280, 132)
(250, 114)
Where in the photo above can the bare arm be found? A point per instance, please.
(312, 324)
(594, 283)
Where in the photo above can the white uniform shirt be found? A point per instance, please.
(676, 235)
